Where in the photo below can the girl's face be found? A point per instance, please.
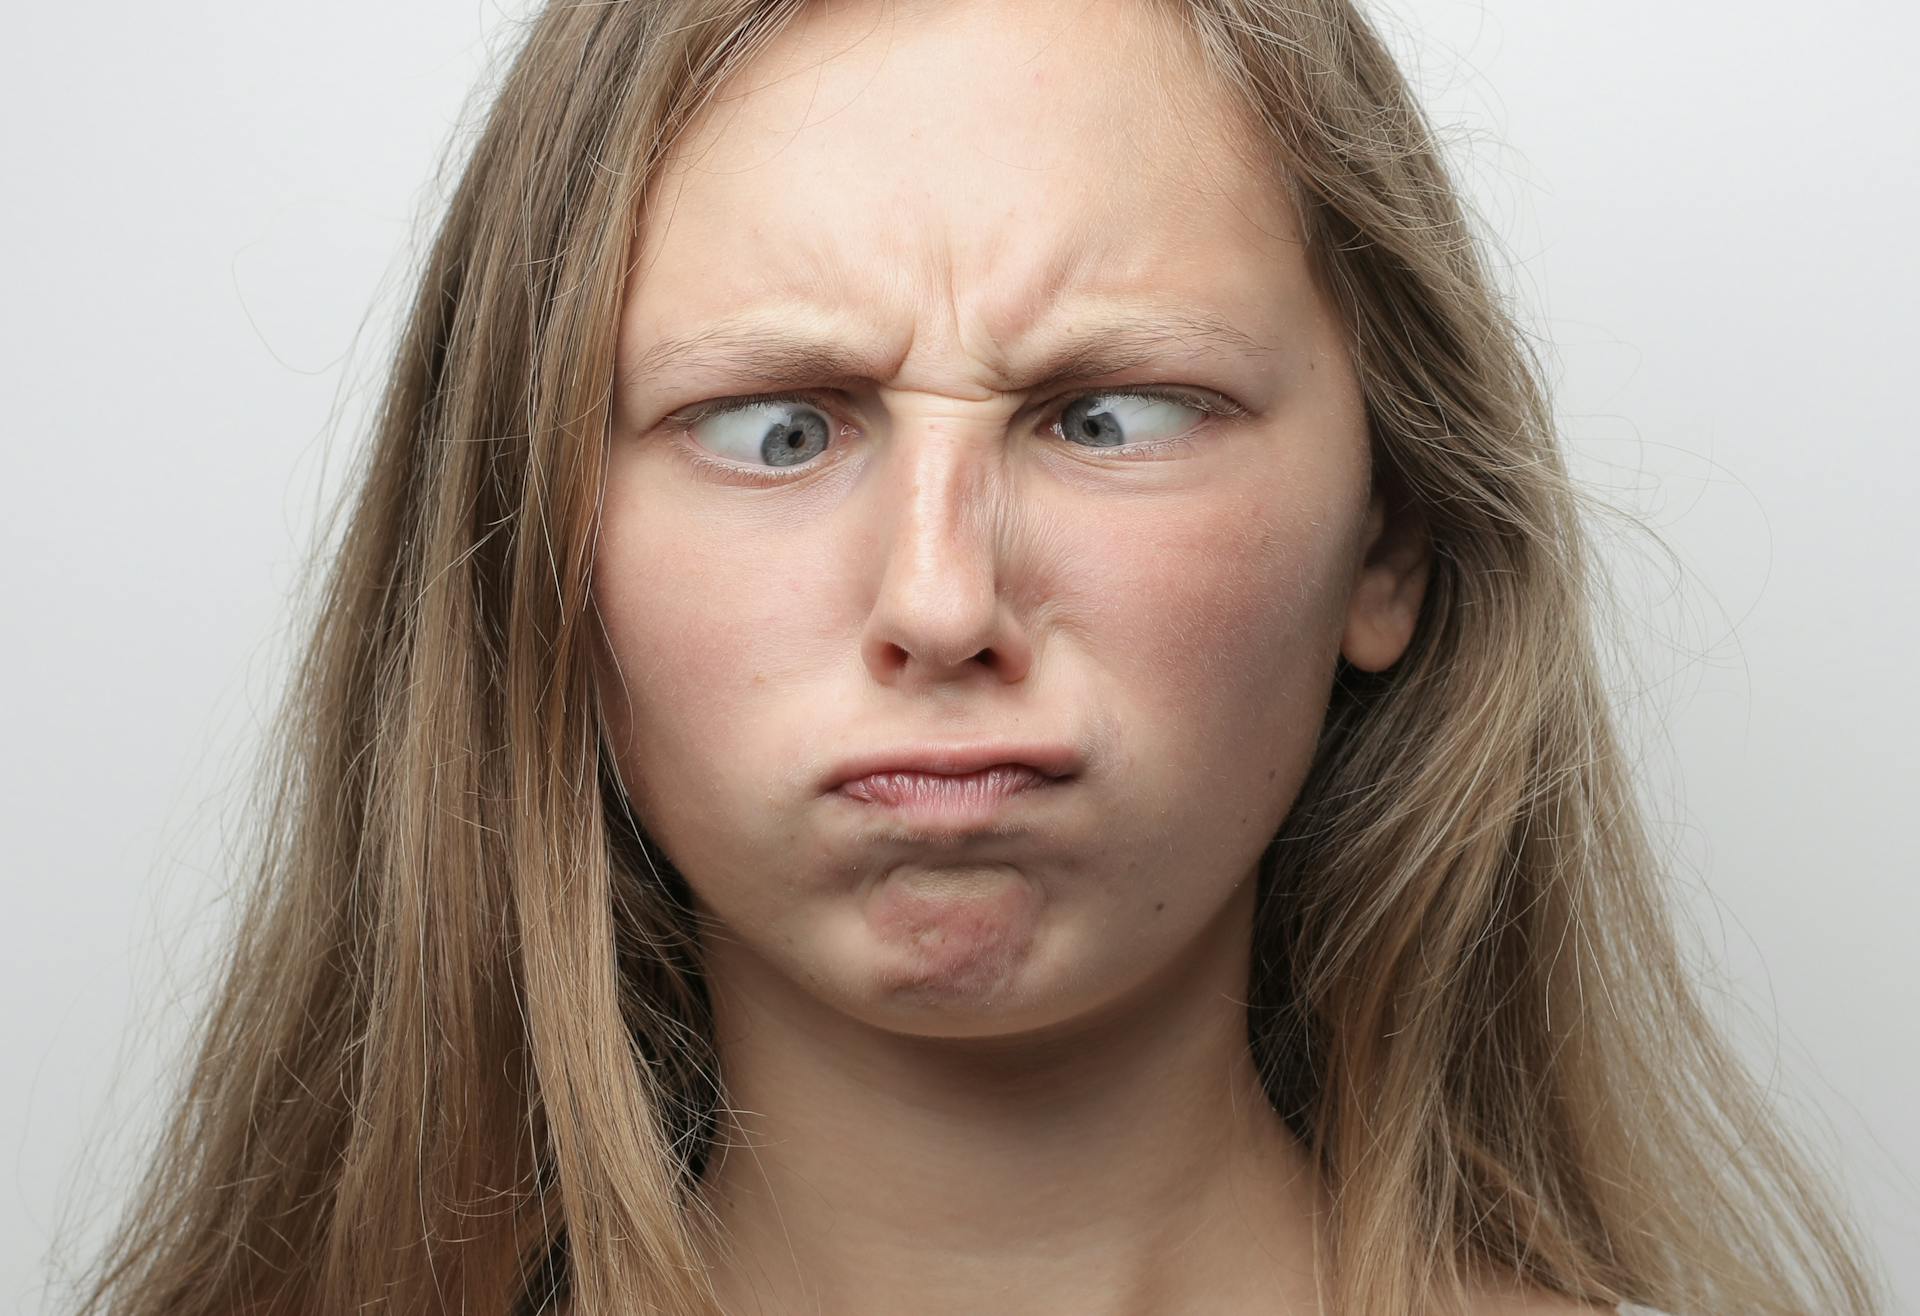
(973, 392)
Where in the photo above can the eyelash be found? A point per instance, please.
(1212, 404)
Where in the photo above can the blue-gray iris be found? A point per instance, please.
(797, 439)
(1098, 426)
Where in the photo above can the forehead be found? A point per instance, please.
(971, 169)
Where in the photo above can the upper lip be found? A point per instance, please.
(955, 759)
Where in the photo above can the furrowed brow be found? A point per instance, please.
(742, 349)
(753, 349)
(1109, 347)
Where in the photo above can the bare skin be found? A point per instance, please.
(1007, 1070)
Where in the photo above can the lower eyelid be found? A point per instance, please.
(701, 459)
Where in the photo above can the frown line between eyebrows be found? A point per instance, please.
(754, 348)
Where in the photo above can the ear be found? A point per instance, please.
(1389, 581)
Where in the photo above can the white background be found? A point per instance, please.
(1708, 212)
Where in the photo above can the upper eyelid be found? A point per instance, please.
(699, 411)
(1201, 399)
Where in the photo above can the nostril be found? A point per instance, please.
(941, 654)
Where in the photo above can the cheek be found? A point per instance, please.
(697, 634)
(1219, 650)
(1232, 607)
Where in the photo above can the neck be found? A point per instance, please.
(1127, 1163)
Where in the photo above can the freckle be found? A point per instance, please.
(1159, 905)
(1272, 773)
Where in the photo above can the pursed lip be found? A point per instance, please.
(955, 760)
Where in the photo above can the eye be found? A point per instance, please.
(758, 435)
(1112, 420)
(770, 432)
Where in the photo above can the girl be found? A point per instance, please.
(961, 680)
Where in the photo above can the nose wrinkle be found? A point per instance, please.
(939, 593)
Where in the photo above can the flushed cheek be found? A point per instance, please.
(1232, 604)
(1217, 650)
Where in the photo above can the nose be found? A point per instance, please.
(941, 613)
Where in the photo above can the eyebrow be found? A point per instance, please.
(750, 346)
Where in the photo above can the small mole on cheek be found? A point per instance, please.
(1159, 905)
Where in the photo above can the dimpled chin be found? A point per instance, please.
(951, 937)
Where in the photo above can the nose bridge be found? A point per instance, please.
(945, 511)
(948, 471)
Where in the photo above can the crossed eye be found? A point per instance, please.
(794, 431)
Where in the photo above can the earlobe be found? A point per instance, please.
(1388, 585)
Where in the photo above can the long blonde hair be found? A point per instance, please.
(460, 1059)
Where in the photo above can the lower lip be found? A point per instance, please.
(971, 797)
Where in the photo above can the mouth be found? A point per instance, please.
(937, 803)
(1048, 762)
(946, 791)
